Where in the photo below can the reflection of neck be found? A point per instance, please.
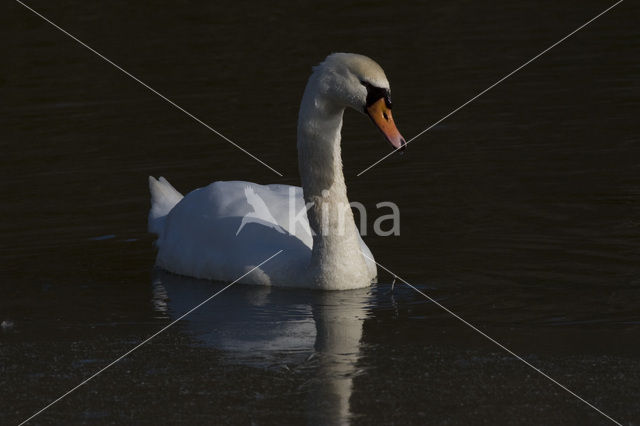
(320, 163)
(338, 333)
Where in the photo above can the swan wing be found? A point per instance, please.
(261, 212)
(200, 235)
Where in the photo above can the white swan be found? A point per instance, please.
(199, 235)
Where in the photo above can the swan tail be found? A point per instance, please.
(163, 198)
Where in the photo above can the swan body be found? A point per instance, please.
(224, 230)
(206, 234)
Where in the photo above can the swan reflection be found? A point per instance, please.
(273, 327)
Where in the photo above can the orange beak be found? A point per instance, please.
(381, 116)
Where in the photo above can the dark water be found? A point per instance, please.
(521, 213)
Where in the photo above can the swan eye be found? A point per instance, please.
(375, 93)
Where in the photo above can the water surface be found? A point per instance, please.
(520, 213)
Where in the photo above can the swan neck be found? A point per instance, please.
(335, 236)
(319, 155)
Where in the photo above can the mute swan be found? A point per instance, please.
(221, 231)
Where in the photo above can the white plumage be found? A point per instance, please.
(225, 229)
(260, 213)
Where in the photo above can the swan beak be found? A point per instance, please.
(380, 114)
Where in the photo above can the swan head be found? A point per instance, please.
(358, 82)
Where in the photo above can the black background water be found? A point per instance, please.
(520, 212)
